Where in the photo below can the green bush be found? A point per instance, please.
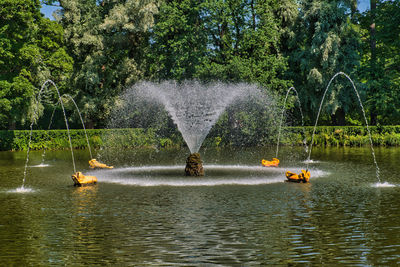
(58, 139)
(344, 135)
(131, 138)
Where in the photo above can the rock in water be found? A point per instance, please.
(194, 165)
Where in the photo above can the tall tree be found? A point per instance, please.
(31, 51)
(380, 62)
(178, 40)
(326, 42)
(373, 88)
(244, 42)
(107, 40)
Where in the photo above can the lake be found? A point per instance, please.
(145, 212)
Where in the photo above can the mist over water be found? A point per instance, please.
(194, 107)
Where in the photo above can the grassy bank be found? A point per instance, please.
(130, 138)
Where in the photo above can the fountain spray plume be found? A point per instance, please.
(365, 119)
(36, 115)
(194, 107)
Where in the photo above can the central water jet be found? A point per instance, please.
(193, 106)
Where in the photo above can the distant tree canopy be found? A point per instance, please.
(96, 48)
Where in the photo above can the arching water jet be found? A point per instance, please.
(80, 116)
(78, 178)
(282, 116)
(365, 119)
(93, 163)
(36, 115)
(83, 124)
(275, 161)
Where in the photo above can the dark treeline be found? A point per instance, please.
(94, 49)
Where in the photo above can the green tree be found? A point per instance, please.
(244, 42)
(325, 43)
(231, 40)
(107, 41)
(381, 60)
(31, 51)
(178, 41)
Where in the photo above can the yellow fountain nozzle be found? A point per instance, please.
(303, 177)
(93, 163)
(270, 163)
(80, 179)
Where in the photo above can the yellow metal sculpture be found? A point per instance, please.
(93, 163)
(304, 176)
(270, 163)
(80, 179)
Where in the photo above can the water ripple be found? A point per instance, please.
(21, 190)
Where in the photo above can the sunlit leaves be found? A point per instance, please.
(31, 51)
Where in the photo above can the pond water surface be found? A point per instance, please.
(145, 212)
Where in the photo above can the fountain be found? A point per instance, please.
(93, 163)
(365, 120)
(275, 161)
(36, 115)
(194, 108)
(78, 177)
(51, 121)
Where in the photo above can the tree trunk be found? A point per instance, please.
(373, 89)
(339, 118)
(12, 126)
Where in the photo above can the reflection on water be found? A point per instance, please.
(238, 214)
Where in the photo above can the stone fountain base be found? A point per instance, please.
(194, 165)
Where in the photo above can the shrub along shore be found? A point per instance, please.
(129, 138)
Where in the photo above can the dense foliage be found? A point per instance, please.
(31, 51)
(107, 42)
(96, 48)
(325, 43)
